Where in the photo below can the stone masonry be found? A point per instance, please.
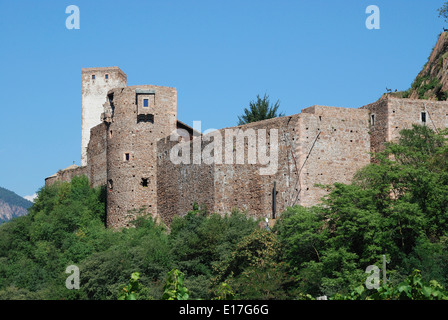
(130, 134)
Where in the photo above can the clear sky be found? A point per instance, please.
(219, 54)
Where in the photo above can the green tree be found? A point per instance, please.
(254, 270)
(258, 110)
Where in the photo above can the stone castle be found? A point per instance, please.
(127, 143)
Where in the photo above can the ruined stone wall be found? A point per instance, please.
(334, 143)
(244, 186)
(395, 114)
(180, 185)
(131, 149)
(322, 145)
(66, 175)
(378, 124)
(97, 156)
(403, 113)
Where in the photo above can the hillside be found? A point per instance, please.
(12, 205)
(432, 81)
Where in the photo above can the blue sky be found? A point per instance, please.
(218, 54)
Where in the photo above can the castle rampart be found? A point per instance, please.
(259, 168)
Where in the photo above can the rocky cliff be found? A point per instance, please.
(12, 205)
(432, 82)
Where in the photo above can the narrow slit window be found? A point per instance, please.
(110, 184)
(372, 119)
(423, 116)
(127, 156)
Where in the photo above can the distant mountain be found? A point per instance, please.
(12, 205)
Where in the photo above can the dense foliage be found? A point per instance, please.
(397, 206)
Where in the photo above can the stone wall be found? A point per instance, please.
(403, 113)
(180, 185)
(248, 186)
(97, 156)
(334, 143)
(391, 115)
(66, 175)
(321, 145)
(378, 124)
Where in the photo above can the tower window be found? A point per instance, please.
(423, 117)
(127, 156)
(144, 182)
(93, 77)
(145, 102)
(372, 119)
(106, 76)
(110, 184)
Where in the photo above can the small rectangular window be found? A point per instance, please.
(144, 182)
(423, 116)
(93, 77)
(145, 102)
(127, 156)
(106, 76)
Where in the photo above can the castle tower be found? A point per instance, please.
(136, 117)
(96, 82)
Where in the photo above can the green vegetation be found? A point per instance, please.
(413, 288)
(174, 288)
(261, 109)
(443, 11)
(427, 86)
(397, 208)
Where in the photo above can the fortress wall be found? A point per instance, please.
(338, 139)
(66, 175)
(333, 144)
(379, 124)
(243, 186)
(181, 185)
(97, 156)
(405, 112)
(395, 114)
